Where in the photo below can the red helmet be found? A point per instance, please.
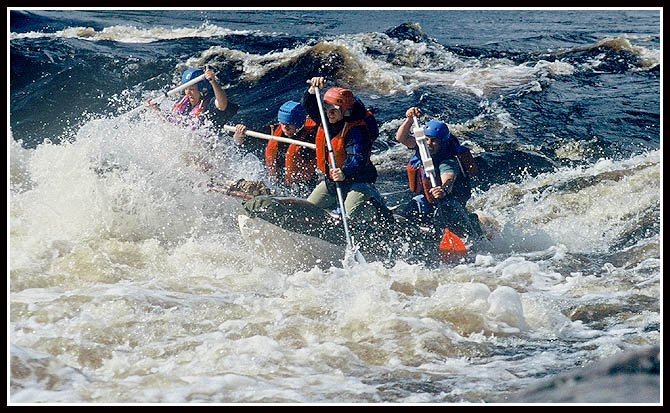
(339, 96)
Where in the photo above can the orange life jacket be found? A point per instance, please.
(419, 183)
(338, 142)
(298, 167)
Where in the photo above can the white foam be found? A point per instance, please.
(133, 34)
(543, 210)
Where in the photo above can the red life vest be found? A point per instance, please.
(466, 161)
(298, 168)
(338, 142)
(419, 183)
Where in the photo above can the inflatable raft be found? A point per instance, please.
(300, 234)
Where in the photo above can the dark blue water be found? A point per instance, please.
(616, 102)
(58, 82)
(561, 106)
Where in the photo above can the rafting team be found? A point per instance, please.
(352, 129)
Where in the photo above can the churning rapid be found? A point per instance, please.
(129, 280)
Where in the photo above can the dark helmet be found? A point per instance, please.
(190, 74)
(292, 113)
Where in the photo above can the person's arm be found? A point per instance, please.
(155, 109)
(308, 101)
(221, 101)
(402, 135)
(448, 174)
(358, 147)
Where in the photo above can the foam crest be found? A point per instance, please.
(405, 66)
(585, 208)
(254, 66)
(647, 58)
(132, 34)
(92, 203)
(19, 161)
(30, 368)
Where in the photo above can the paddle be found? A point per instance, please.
(159, 99)
(451, 246)
(426, 159)
(271, 137)
(351, 252)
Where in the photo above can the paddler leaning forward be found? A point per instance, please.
(289, 165)
(203, 100)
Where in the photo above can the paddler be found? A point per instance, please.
(444, 205)
(288, 164)
(352, 130)
(204, 99)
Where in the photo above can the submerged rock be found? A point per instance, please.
(630, 377)
(408, 31)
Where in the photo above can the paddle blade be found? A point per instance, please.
(359, 257)
(452, 247)
(353, 256)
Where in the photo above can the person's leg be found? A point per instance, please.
(410, 209)
(362, 201)
(321, 198)
(418, 210)
(453, 215)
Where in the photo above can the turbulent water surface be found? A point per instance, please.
(129, 281)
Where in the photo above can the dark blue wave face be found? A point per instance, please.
(57, 82)
(506, 30)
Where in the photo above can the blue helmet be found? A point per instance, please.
(190, 74)
(436, 129)
(292, 113)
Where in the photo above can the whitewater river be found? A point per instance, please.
(129, 281)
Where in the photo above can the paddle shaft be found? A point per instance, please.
(331, 157)
(424, 152)
(158, 99)
(271, 137)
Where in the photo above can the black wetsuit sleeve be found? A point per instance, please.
(221, 117)
(311, 107)
(225, 116)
